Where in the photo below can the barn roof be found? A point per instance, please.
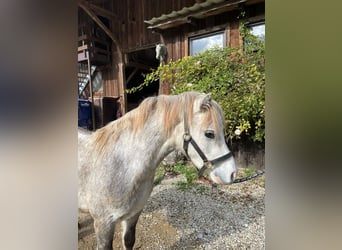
(198, 10)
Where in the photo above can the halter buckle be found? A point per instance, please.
(187, 137)
(208, 164)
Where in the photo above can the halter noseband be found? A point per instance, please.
(207, 164)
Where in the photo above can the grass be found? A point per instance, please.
(180, 168)
(248, 171)
(190, 173)
(159, 175)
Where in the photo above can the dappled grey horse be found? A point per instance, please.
(117, 162)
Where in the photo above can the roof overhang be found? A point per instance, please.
(197, 11)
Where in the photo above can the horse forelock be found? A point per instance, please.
(175, 107)
(214, 115)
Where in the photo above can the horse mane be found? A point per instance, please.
(171, 108)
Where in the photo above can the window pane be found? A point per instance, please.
(259, 31)
(201, 44)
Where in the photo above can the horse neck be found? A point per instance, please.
(157, 140)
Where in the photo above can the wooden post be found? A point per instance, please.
(122, 86)
(91, 92)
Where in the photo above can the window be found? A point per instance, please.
(97, 81)
(258, 29)
(201, 43)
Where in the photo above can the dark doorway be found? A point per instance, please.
(140, 63)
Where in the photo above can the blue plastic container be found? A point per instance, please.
(84, 113)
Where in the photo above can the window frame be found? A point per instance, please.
(208, 34)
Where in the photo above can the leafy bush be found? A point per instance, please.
(234, 76)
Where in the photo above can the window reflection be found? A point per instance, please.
(258, 30)
(200, 44)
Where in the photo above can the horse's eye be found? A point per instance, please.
(210, 134)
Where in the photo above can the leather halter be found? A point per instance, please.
(207, 164)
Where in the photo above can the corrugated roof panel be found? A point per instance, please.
(197, 8)
(183, 11)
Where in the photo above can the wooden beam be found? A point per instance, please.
(103, 12)
(131, 75)
(122, 86)
(91, 94)
(86, 7)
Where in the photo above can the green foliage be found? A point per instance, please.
(248, 172)
(234, 76)
(190, 173)
(159, 174)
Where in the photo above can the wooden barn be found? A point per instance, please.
(117, 43)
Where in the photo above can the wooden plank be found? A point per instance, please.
(139, 20)
(83, 37)
(185, 45)
(103, 12)
(81, 57)
(83, 47)
(228, 35)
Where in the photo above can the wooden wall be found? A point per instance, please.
(108, 81)
(130, 28)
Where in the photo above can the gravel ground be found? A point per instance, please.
(226, 217)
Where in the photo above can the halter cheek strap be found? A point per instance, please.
(188, 139)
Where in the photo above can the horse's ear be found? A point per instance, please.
(206, 102)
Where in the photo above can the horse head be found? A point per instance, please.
(161, 52)
(204, 142)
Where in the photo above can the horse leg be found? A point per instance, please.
(104, 231)
(128, 231)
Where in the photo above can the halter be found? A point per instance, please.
(207, 164)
